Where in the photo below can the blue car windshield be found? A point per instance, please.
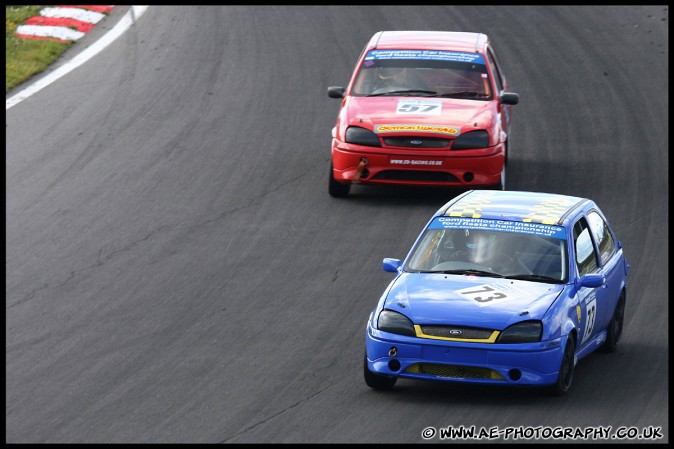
(536, 256)
(423, 73)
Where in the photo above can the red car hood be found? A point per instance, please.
(447, 116)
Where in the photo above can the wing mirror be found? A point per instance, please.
(391, 265)
(509, 98)
(593, 280)
(336, 91)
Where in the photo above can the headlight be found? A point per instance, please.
(470, 140)
(362, 136)
(523, 332)
(396, 323)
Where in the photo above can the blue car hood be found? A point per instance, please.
(485, 302)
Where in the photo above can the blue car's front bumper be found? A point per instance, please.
(419, 358)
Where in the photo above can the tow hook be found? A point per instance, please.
(359, 170)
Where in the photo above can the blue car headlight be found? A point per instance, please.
(396, 323)
(522, 332)
(471, 140)
(362, 136)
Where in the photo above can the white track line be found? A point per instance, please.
(124, 24)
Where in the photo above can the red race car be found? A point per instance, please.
(428, 108)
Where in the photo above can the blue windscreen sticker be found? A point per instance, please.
(434, 55)
(518, 227)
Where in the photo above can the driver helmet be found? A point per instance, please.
(476, 239)
(388, 73)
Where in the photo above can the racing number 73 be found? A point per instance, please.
(476, 294)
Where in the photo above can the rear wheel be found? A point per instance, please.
(615, 327)
(565, 377)
(337, 189)
(377, 381)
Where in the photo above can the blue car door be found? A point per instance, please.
(611, 266)
(591, 300)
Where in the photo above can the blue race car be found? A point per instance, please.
(501, 287)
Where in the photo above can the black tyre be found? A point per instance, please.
(615, 327)
(337, 189)
(377, 381)
(565, 377)
(502, 184)
(507, 146)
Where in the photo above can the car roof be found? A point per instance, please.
(526, 207)
(435, 40)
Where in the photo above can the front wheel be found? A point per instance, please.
(337, 189)
(377, 381)
(502, 183)
(565, 376)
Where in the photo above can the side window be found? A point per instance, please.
(498, 77)
(586, 256)
(602, 236)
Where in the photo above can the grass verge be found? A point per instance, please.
(26, 57)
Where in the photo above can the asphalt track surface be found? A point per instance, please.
(176, 271)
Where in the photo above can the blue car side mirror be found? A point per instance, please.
(593, 280)
(391, 265)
